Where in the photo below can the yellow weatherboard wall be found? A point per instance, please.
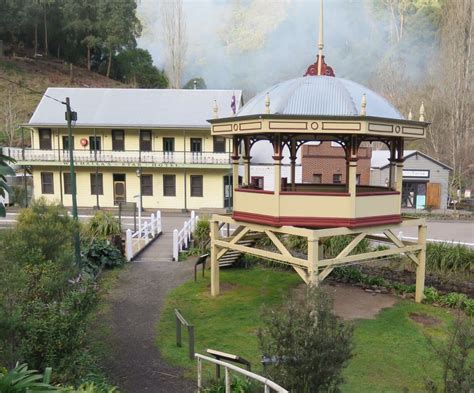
(56, 161)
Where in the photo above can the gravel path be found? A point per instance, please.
(135, 364)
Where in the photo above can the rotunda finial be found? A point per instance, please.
(363, 105)
(422, 111)
(267, 103)
(410, 115)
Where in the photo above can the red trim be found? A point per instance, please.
(362, 194)
(329, 193)
(254, 191)
(316, 222)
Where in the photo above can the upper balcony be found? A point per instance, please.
(125, 158)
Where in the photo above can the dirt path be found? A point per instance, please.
(135, 364)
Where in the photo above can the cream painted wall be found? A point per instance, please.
(213, 187)
(132, 139)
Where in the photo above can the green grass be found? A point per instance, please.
(391, 351)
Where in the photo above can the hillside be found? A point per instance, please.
(17, 104)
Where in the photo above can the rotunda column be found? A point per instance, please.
(293, 163)
(399, 162)
(392, 176)
(351, 159)
(247, 159)
(235, 163)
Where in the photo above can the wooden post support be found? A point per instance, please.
(215, 285)
(178, 331)
(313, 258)
(420, 269)
(128, 243)
(191, 341)
(227, 381)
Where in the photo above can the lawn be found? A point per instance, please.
(391, 352)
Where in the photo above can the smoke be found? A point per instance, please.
(253, 44)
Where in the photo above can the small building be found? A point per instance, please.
(325, 163)
(425, 180)
(131, 144)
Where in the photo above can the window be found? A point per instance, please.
(67, 183)
(169, 185)
(97, 184)
(317, 178)
(146, 183)
(66, 142)
(145, 140)
(47, 184)
(337, 178)
(219, 144)
(257, 182)
(118, 140)
(168, 145)
(45, 138)
(357, 179)
(94, 143)
(196, 186)
(196, 145)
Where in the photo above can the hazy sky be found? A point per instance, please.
(253, 44)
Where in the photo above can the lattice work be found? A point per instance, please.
(312, 266)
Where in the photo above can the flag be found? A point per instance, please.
(233, 104)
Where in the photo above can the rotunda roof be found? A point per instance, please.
(320, 96)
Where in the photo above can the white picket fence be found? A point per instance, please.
(268, 385)
(182, 237)
(135, 241)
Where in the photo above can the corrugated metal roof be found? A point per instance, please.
(97, 107)
(380, 158)
(320, 95)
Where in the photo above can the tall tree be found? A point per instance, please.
(174, 31)
(119, 26)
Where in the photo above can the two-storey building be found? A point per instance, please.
(130, 142)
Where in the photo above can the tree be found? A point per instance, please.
(135, 66)
(195, 83)
(5, 170)
(119, 26)
(9, 112)
(454, 355)
(307, 344)
(174, 31)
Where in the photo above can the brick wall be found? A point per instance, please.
(327, 160)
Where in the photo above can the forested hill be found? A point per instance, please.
(18, 103)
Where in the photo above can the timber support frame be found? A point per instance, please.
(313, 267)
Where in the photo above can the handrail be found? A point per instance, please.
(127, 156)
(268, 384)
(181, 238)
(180, 321)
(145, 234)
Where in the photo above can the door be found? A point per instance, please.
(414, 194)
(118, 140)
(120, 189)
(145, 140)
(45, 139)
(433, 195)
(95, 143)
(228, 191)
(196, 149)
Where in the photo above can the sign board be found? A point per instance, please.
(416, 173)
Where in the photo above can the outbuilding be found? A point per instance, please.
(425, 180)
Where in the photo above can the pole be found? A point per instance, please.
(77, 244)
(25, 185)
(96, 171)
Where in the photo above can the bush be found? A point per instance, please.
(308, 345)
(201, 235)
(100, 254)
(334, 245)
(449, 258)
(102, 226)
(22, 380)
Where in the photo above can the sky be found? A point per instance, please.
(253, 44)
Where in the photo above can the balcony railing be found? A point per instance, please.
(88, 157)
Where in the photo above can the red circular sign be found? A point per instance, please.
(84, 142)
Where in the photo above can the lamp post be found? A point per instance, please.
(139, 196)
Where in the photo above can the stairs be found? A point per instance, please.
(232, 256)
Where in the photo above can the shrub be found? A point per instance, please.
(102, 226)
(453, 299)
(308, 345)
(201, 235)
(334, 245)
(431, 295)
(449, 258)
(22, 380)
(101, 254)
(455, 355)
(297, 243)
